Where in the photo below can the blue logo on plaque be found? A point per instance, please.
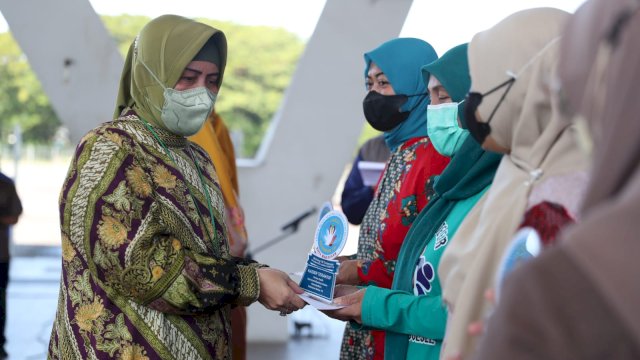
(331, 235)
(324, 210)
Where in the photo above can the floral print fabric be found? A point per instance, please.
(401, 194)
(146, 270)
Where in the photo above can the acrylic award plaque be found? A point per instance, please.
(319, 277)
(324, 210)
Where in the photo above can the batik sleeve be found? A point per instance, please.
(138, 244)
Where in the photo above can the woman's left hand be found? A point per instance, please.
(353, 310)
(343, 290)
(477, 328)
(348, 273)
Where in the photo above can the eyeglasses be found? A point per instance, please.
(480, 130)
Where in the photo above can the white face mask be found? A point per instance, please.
(184, 112)
(443, 129)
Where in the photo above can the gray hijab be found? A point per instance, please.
(606, 245)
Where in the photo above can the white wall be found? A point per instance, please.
(83, 93)
(313, 136)
(311, 139)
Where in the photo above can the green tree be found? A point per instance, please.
(22, 100)
(260, 64)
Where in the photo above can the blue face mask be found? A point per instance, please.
(443, 129)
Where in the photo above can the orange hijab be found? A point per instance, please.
(214, 138)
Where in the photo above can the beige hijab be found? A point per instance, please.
(606, 244)
(531, 124)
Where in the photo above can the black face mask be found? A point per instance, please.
(383, 111)
(480, 130)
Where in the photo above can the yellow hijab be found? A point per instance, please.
(214, 138)
(166, 45)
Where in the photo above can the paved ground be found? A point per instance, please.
(35, 276)
(32, 299)
(31, 305)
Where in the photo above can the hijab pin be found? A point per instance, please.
(135, 45)
(534, 175)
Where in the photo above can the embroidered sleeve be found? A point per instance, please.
(139, 244)
(377, 272)
(410, 197)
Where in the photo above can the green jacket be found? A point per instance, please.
(419, 314)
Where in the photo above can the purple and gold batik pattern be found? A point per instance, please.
(146, 269)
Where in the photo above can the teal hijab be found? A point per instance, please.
(452, 69)
(470, 171)
(401, 60)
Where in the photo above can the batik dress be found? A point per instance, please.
(399, 198)
(145, 267)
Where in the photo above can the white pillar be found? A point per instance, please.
(73, 55)
(313, 136)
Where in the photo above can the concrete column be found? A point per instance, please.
(73, 55)
(312, 137)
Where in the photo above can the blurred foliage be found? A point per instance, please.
(22, 100)
(260, 64)
(367, 133)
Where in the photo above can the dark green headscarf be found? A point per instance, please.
(470, 171)
(167, 44)
(452, 70)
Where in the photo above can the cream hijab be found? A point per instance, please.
(531, 124)
(604, 89)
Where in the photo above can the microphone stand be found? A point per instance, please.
(288, 229)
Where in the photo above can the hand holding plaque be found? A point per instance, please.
(319, 277)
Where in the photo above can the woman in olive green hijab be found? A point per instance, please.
(146, 267)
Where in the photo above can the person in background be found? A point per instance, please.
(579, 299)
(214, 138)
(412, 313)
(396, 105)
(509, 110)
(146, 269)
(10, 211)
(356, 196)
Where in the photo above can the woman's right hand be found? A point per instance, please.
(278, 291)
(352, 309)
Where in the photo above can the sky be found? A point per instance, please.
(455, 21)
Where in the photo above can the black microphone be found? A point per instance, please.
(287, 229)
(295, 223)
